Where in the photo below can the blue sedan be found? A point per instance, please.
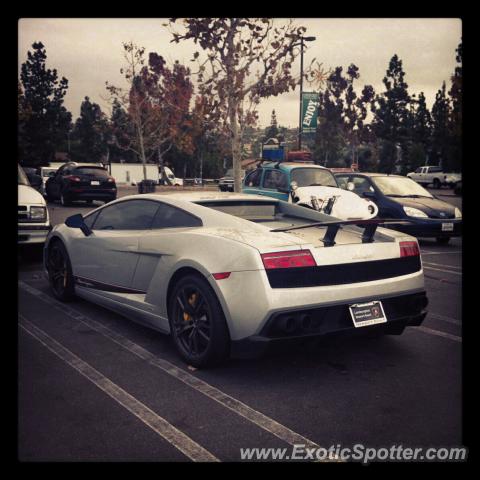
(402, 198)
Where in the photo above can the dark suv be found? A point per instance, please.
(81, 181)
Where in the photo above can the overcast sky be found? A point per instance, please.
(88, 52)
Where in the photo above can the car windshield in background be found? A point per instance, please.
(97, 172)
(307, 177)
(22, 178)
(400, 187)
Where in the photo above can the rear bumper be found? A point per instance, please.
(429, 228)
(88, 194)
(331, 321)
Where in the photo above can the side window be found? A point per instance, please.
(361, 185)
(342, 182)
(128, 215)
(253, 180)
(172, 217)
(435, 169)
(274, 179)
(418, 170)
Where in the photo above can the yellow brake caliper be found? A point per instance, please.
(192, 301)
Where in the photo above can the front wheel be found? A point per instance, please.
(197, 323)
(60, 272)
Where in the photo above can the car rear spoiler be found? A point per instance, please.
(370, 227)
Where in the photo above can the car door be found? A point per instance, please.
(252, 182)
(107, 258)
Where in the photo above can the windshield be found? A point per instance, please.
(307, 177)
(400, 187)
(22, 178)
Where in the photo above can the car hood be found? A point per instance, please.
(28, 195)
(431, 206)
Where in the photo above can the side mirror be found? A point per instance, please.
(369, 194)
(350, 186)
(76, 221)
(35, 180)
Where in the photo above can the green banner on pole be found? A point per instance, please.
(310, 104)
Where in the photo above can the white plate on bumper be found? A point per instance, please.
(365, 314)
(94, 182)
(447, 227)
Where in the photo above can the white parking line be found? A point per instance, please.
(456, 267)
(426, 252)
(443, 318)
(439, 333)
(259, 419)
(159, 425)
(442, 270)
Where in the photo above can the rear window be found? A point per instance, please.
(244, 209)
(94, 171)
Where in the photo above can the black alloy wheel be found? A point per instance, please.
(60, 272)
(197, 323)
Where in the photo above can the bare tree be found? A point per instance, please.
(246, 59)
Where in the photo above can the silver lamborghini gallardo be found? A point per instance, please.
(234, 274)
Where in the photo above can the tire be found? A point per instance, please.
(436, 183)
(60, 274)
(443, 240)
(199, 330)
(65, 201)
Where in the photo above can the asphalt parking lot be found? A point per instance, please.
(95, 386)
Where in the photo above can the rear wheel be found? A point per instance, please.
(60, 272)
(197, 322)
(443, 240)
(436, 183)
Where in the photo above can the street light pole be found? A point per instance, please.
(301, 92)
(302, 40)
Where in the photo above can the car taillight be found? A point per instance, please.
(110, 179)
(289, 259)
(72, 178)
(409, 249)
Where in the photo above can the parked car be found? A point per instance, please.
(232, 274)
(226, 183)
(308, 185)
(434, 175)
(32, 218)
(81, 181)
(401, 198)
(169, 178)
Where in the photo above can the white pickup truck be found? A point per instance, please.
(434, 175)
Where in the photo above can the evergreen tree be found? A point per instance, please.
(455, 93)
(441, 138)
(272, 131)
(89, 136)
(392, 117)
(46, 128)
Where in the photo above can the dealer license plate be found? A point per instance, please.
(447, 227)
(365, 314)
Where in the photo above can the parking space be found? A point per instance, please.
(95, 386)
